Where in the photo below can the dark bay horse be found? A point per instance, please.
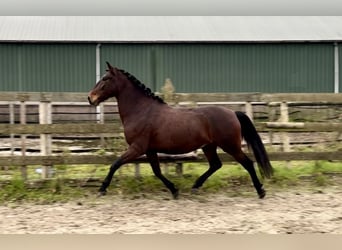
(151, 126)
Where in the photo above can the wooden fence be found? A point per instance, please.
(278, 105)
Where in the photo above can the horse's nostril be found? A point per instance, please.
(89, 100)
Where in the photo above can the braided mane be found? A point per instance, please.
(147, 91)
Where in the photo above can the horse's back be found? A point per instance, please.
(218, 122)
(224, 125)
(217, 115)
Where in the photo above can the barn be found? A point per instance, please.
(198, 53)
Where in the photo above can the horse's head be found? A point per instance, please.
(106, 87)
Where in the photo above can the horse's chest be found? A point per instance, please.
(136, 133)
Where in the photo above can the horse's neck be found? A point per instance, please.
(132, 101)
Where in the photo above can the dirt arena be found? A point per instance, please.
(282, 212)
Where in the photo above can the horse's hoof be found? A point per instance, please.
(175, 194)
(262, 194)
(194, 191)
(101, 193)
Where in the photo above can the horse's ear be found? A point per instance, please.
(110, 67)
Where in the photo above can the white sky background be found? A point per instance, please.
(171, 7)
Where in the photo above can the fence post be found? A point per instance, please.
(284, 117)
(168, 91)
(137, 173)
(249, 110)
(271, 118)
(179, 169)
(23, 168)
(11, 121)
(45, 139)
(101, 119)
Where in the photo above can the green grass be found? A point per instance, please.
(17, 191)
(231, 179)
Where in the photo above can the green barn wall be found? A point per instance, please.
(48, 67)
(137, 59)
(192, 67)
(9, 70)
(247, 67)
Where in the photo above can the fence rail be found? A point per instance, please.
(278, 124)
(109, 159)
(86, 128)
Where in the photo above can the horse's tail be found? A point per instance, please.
(253, 140)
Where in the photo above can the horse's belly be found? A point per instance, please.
(180, 143)
(177, 150)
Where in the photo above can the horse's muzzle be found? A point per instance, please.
(91, 102)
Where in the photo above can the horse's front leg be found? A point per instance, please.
(154, 161)
(132, 153)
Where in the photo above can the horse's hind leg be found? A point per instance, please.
(214, 165)
(154, 161)
(247, 163)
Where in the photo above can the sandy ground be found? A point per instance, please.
(280, 212)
